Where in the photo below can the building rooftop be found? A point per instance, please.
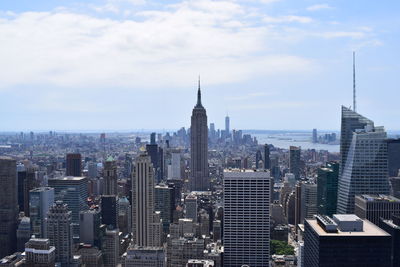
(369, 229)
(69, 178)
(378, 198)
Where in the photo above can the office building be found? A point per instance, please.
(40, 199)
(110, 247)
(144, 257)
(109, 210)
(227, 126)
(8, 206)
(314, 136)
(110, 177)
(23, 233)
(146, 224)
(308, 201)
(124, 215)
(59, 232)
(73, 191)
(26, 182)
(199, 173)
(176, 171)
(191, 207)
(74, 165)
(246, 223)
(392, 227)
(89, 224)
(39, 253)
(200, 263)
(165, 204)
(259, 160)
(297, 205)
(345, 240)
(395, 186)
(181, 250)
(327, 188)
(375, 207)
(91, 256)
(393, 146)
(266, 157)
(294, 161)
(365, 169)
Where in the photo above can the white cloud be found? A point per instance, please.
(318, 7)
(287, 19)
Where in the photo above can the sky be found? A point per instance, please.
(113, 65)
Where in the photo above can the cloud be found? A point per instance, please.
(318, 7)
(287, 19)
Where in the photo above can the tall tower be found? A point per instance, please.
(110, 177)
(294, 161)
(227, 125)
(146, 227)
(8, 206)
(199, 176)
(59, 231)
(74, 164)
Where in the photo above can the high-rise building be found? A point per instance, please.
(246, 221)
(294, 161)
(8, 206)
(258, 159)
(144, 257)
(191, 207)
(23, 233)
(395, 186)
(308, 201)
(345, 240)
(109, 210)
(375, 207)
(40, 199)
(146, 225)
(393, 157)
(176, 172)
(165, 204)
(199, 173)
(327, 188)
(200, 263)
(124, 215)
(59, 232)
(181, 250)
(156, 156)
(266, 157)
(227, 126)
(74, 164)
(89, 224)
(110, 247)
(297, 205)
(314, 136)
(91, 256)
(110, 177)
(39, 252)
(73, 191)
(393, 228)
(26, 182)
(365, 168)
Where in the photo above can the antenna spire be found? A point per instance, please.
(199, 95)
(354, 81)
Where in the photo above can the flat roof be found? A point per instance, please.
(369, 229)
(380, 198)
(69, 178)
(245, 173)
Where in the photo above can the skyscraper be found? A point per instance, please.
(227, 125)
(59, 232)
(294, 161)
(266, 157)
(327, 183)
(110, 177)
(39, 253)
(246, 218)
(199, 176)
(345, 240)
(74, 164)
(109, 210)
(376, 207)
(308, 201)
(8, 206)
(314, 136)
(146, 229)
(40, 199)
(365, 165)
(394, 157)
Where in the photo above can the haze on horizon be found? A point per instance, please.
(133, 64)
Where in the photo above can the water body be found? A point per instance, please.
(285, 139)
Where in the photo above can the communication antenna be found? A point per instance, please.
(354, 81)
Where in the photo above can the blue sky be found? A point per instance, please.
(133, 64)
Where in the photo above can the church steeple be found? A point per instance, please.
(199, 105)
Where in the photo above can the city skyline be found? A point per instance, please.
(76, 55)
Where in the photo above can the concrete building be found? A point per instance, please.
(191, 207)
(146, 224)
(199, 173)
(40, 201)
(200, 263)
(345, 240)
(181, 250)
(165, 204)
(8, 206)
(327, 188)
(375, 207)
(124, 215)
(144, 257)
(110, 248)
(39, 253)
(59, 232)
(392, 227)
(294, 161)
(109, 210)
(89, 224)
(24, 232)
(246, 222)
(91, 256)
(308, 201)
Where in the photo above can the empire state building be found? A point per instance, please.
(199, 175)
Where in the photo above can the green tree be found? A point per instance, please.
(281, 248)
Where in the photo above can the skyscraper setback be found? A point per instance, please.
(199, 176)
